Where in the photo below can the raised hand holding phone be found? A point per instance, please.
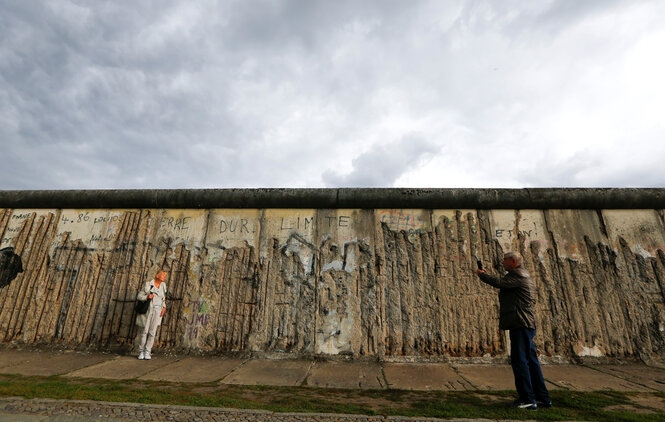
(480, 266)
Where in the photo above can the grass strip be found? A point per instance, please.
(569, 405)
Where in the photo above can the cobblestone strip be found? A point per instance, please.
(156, 412)
(160, 412)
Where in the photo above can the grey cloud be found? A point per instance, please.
(632, 176)
(271, 93)
(85, 94)
(589, 169)
(515, 19)
(563, 173)
(383, 165)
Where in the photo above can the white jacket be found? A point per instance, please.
(158, 300)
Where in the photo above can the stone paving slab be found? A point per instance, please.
(269, 372)
(430, 376)
(121, 367)
(580, 378)
(646, 376)
(14, 357)
(491, 377)
(488, 377)
(194, 369)
(41, 363)
(626, 377)
(366, 375)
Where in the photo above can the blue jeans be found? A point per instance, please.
(529, 380)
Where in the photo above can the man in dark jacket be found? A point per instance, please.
(517, 299)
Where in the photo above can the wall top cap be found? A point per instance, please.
(330, 198)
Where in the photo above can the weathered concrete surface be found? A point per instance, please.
(432, 376)
(51, 364)
(488, 377)
(581, 378)
(384, 283)
(194, 370)
(365, 375)
(270, 372)
(567, 377)
(120, 367)
(646, 376)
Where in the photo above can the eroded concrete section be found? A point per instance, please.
(270, 372)
(366, 375)
(580, 378)
(194, 370)
(432, 376)
(38, 363)
(122, 367)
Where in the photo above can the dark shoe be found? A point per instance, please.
(544, 403)
(521, 404)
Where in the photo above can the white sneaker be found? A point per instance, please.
(146, 356)
(141, 356)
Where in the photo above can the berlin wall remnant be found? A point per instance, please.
(344, 281)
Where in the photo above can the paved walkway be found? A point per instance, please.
(326, 374)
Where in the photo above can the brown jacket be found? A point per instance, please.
(517, 298)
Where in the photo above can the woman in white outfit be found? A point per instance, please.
(155, 290)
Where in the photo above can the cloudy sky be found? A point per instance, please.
(305, 93)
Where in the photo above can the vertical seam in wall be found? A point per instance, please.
(40, 235)
(91, 314)
(7, 212)
(660, 213)
(126, 274)
(316, 268)
(25, 281)
(120, 260)
(603, 226)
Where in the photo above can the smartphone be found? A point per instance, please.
(480, 264)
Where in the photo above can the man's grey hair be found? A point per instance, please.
(514, 255)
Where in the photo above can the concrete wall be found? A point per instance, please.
(362, 282)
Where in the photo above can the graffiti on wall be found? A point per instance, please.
(197, 317)
(315, 281)
(402, 220)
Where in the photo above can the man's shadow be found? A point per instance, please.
(10, 266)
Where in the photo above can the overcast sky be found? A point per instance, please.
(216, 94)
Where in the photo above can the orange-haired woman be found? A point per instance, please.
(155, 290)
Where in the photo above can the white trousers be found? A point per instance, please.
(151, 324)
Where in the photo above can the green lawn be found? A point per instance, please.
(599, 405)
